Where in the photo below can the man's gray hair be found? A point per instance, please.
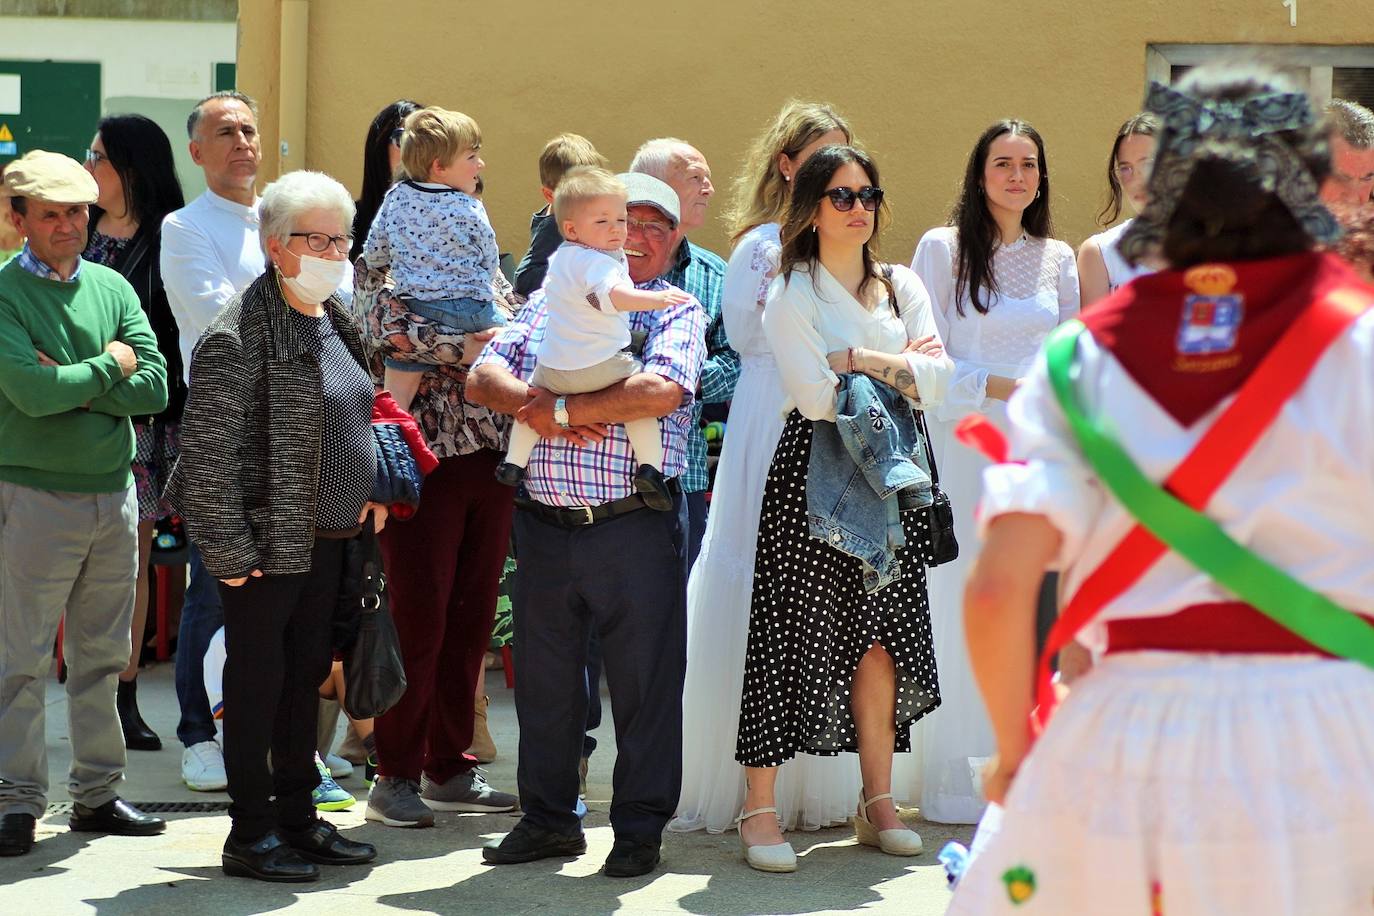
(295, 193)
(194, 118)
(657, 157)
(1352, 122)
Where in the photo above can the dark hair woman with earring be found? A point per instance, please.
(1217, 760)
(381, 157)
(131, 160)
(999, 284)
(838, 658)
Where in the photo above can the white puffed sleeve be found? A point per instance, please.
(932, 374)
(934, 264)
(1051, 477)
(789, 321)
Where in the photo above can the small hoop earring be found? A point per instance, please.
(1037, 194)
(813, 227)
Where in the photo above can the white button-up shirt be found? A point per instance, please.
(210, 251)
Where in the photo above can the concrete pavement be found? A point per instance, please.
(437, 870)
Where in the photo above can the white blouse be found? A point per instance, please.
(753, 265)
(1302, 498)
(1037, 281)
(807, 318)
(1119, 273)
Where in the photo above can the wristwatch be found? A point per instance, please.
(560, 412)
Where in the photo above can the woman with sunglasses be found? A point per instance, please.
(833, 665)
(276, 472)
(1101, 268)
(811, 792)
(131, 161)
(999, 284)
(381, 160)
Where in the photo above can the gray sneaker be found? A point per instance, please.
(396, 803)
(465, 792)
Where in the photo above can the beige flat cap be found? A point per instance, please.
(49, 177)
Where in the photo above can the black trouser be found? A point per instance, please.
(624, 578)
(277, 640)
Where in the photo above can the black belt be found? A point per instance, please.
(581, 516)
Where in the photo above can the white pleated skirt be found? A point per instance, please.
(1192, 785)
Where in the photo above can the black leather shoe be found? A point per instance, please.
(509, 474)
(321, 842)
(16, 834)
(115, 816)
(652, 486)
(527, 843)
(268, 858)
(137, 735)
(630, 858)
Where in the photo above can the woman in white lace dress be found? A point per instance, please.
(999, 284)
(812, 792)
(1101, 268)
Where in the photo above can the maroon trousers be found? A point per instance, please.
(442, 570)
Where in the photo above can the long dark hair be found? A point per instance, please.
(800, 245)
(141, 155)
(1144, 124)
(978, 233)
(377, 177)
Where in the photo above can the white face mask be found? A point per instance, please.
(319, 277)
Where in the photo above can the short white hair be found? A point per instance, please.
(295, 193)
(658, 157)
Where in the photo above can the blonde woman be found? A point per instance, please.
(812, 792)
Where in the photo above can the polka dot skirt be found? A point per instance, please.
(811, 622)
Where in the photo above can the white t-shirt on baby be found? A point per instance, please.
(584, 327)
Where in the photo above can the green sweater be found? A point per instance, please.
(66, 427)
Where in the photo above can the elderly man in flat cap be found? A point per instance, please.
(595, 557)
(77, 359)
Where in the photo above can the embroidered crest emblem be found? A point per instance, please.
(1212, 313)
(877, 419)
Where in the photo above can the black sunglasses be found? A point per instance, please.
(396, 136)
(842, 199)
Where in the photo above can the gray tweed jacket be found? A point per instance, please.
(248, 476)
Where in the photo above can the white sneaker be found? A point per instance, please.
(202, 767)
(339, 768)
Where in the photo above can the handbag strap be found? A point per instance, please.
(930, 453)
(1278, 376)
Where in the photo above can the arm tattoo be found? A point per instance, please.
(887, 370)
(905, 382)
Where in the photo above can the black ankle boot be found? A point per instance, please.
(137, 735)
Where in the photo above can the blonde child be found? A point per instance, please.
(562, 154)
(587, 289)
(433, 234)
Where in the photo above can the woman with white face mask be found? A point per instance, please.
(276, 473)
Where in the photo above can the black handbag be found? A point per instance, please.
(374, 672)
(940, 546)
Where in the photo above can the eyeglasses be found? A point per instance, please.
(318, 241)
(95, 157)
(842, 199)
(653, 230)
(396, 136)
(1126, 171)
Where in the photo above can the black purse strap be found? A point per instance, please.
(930, 453)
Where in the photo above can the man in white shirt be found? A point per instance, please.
(210, 251)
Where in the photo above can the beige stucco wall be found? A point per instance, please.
(918, 79)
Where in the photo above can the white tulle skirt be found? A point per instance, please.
(1192, 785)
(812, 792)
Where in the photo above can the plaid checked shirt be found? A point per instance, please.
(30, 262)
(562, 474)
(702, 273)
